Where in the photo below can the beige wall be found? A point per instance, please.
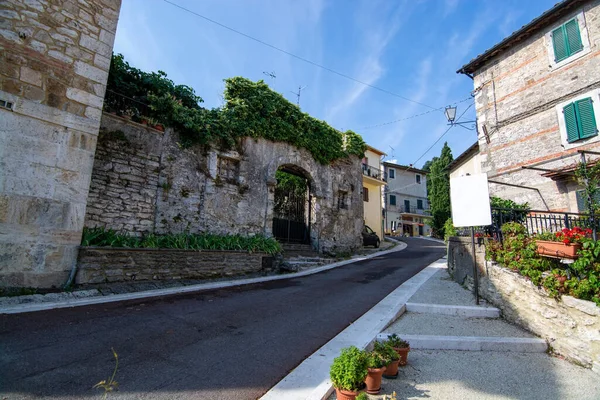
(470, 166)
(54, 61)
(520, 98)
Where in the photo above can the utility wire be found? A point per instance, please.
(298, 57)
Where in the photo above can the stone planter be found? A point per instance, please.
(557, 249)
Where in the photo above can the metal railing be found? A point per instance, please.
(374, 172)
(414, 210)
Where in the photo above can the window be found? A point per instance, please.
(418, 178)
(580, 121)
(581, 197)
(392, 173)
(392, 200)
(227, 169)
(342, 200)
(419, 204)
(365, 194)
(566, 40)
(406, 205)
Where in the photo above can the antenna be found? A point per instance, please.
(300, 89)
(393, 156)
(272, 76)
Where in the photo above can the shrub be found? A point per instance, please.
(449, 229)
(349, 369)
(397, 342)
(386, 351)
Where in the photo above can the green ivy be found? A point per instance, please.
(251, 109)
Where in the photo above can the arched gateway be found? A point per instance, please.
(292, 210)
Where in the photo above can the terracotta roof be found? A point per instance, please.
(550, 16)
(473, 149)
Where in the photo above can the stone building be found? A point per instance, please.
(54, 61)
(372, 181)
(538, 106)
(144, 182)
(406, 200)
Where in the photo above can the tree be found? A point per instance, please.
(439, 190)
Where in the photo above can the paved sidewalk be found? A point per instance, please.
(518, 371)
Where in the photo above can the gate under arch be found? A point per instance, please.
(292, 206)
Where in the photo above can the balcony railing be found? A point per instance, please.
(374, 172)
(414, 210)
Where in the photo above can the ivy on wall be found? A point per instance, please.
(251, 109)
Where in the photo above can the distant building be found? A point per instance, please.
(537, 96)
(468, 163)
(373, 181)
(406, 206)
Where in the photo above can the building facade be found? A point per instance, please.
(537, 97)
(406, 205)
(373, 181)
(468, 163)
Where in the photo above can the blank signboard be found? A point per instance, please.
(470, 200)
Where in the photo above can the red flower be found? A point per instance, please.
(566, 241)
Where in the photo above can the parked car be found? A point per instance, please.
(370, 238)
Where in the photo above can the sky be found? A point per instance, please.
(411, 48)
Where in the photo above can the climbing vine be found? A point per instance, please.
(251, 109)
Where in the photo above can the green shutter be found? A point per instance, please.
(580, 195)
(571, 122)
(392, 200)
(586, 118)
(560, 44)
(573, 36)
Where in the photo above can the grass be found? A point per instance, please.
(103, 237)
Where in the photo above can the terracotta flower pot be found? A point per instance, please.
(373, 380)
(391, 370)
(341, 394)
(557, 249)
(403, 353)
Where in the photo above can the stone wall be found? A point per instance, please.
(104, 265)
(460, 258)
(144, 181)
(518, 100)
(571, 326)
(54, 61)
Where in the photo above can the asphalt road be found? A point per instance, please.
(223, 344)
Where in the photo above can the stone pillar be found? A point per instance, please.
(54, 61)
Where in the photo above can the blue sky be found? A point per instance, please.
(411, 48)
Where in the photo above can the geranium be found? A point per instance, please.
(574, 235)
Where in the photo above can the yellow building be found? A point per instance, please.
(373, 182)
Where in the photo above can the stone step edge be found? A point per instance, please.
(462, 311)
(473, 343)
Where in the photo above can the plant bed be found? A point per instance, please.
(557, 249)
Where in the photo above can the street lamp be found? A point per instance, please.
(450, 113)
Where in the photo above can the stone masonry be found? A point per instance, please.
(518, 99)
(54, 61)
(144, 181)
(571, 326)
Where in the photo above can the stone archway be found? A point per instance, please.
(292, 205)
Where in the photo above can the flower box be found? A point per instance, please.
(557, 249)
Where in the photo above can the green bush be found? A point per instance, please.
(102, 237)
(349, 369)
(396, 341)
(386, 351)
(449, 229)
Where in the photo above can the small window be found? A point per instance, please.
(406, 205)
(566, 40)
(582, 200)
(342, 200)
(392, 173)
(418, 178)
(419, 204)
(227, 169)
(392, 200)
(365, 194)
(580, 120)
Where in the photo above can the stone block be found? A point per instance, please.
(84, 97)
(60, 56)
(30, 76)
(91, 72)
(95, 45)
(102, 62)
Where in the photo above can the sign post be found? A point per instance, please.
(470, 201)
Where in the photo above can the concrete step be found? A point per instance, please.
(474, 343)
(452, 325)
(463, 311)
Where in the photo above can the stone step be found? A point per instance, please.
(463, 311)
(474, 343)
(452, 325)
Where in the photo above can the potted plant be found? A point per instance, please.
(402, 347)
(563, 244)
(376, 364)
(393, 359)
(348, 372)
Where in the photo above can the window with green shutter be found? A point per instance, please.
(580, 120)
(392, 200)
(581, 197)
(566, 40)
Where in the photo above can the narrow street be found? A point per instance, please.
(222, 344)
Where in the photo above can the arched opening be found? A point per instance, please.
(292, 205)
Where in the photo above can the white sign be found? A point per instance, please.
(470, 200)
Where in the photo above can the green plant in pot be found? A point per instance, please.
(348, 372)
(387, 351)
(377, 362)
(402, 347)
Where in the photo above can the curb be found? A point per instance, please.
(310, 379)
(78, 302)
